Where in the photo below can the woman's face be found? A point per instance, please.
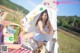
(44, 16)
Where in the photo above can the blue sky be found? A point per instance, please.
(68, 9)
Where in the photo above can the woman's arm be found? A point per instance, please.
(40, 27)
(50, 26)
(51, 30)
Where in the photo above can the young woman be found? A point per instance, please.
(44, 30)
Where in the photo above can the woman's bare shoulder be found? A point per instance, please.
(39, 22)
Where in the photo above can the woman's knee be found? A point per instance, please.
(40, 43)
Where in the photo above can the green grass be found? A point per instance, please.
(68, 43)
(14, 16)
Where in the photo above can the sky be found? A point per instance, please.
(69, 8)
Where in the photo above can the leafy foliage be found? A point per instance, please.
(70, 22)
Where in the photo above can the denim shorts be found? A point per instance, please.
(41, 37)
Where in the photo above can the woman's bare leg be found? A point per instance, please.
(25, 36)
(28, 35)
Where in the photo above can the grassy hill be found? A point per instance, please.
(68, 43)
(13, 6)
(15, 12)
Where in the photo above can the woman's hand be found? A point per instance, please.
(50, 32)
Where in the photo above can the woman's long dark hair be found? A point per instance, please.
(40, 18)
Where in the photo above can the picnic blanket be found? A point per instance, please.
(20, 50)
